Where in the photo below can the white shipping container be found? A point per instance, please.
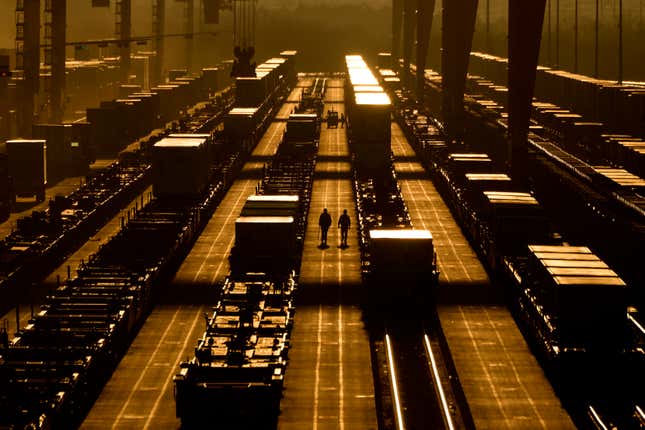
(180, 167)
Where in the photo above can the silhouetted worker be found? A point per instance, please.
(324, 222)
(344, 223)
(342, 120)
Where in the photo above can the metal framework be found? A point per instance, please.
(158, 28)
(5, 75)
(397, 20)
(244, 23)
(409, 22)
(425, 11)
(189, 28)
(244, 37)
(55, 22)
(28, 59)
(459, 18)
(123, 28)
(525, 22)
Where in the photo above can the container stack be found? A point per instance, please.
(368, 115)
(514, 218)
(28, 167)
(617, 106)
(581, 302)
(180, 166)
(402, 268)
(253, 91)
(302, 134)
(264, 243)
(255, 98)
(65, 156)
(116, 123)
(237, 373)
(460, 164)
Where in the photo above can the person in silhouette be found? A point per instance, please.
(342, 120)
(324, 222)
(344, 223)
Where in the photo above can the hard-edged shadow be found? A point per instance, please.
(190, 293)
(421, 174)
(332, 158)
(351, 293)
(402, 158)
(263, 158)
(23, 205)
(251, 173)
(333, 175)
(468, 293)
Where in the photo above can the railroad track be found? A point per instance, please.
(415, 391)
(93, 317)
(593, 399)
(422, 399)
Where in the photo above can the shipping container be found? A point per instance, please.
(250, 91)
(173, 74)
(271, 205)
(28, 167)
(180, 167)
(6, 193)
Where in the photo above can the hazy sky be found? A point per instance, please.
(305, 18)
(99, 22)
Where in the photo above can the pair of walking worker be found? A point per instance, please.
(325, 222)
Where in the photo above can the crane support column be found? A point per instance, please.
(425, 12)
(409, 21)
(243, 38)
(59, 27)
(397, 20)
(457, 36)
(525, 19)
(28, 59)
(190, 19)
(158, 28)
(5, 75)
(124, 30)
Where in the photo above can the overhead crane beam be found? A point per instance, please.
(136, 39)
(525, 20)
(425, 12)
(459, 17)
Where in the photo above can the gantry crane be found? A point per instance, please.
(28, 20)
(27, 59)
(525, 21)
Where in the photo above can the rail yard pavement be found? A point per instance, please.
(139, 394)
(504, 385)
(82, 254)
(328, 384)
